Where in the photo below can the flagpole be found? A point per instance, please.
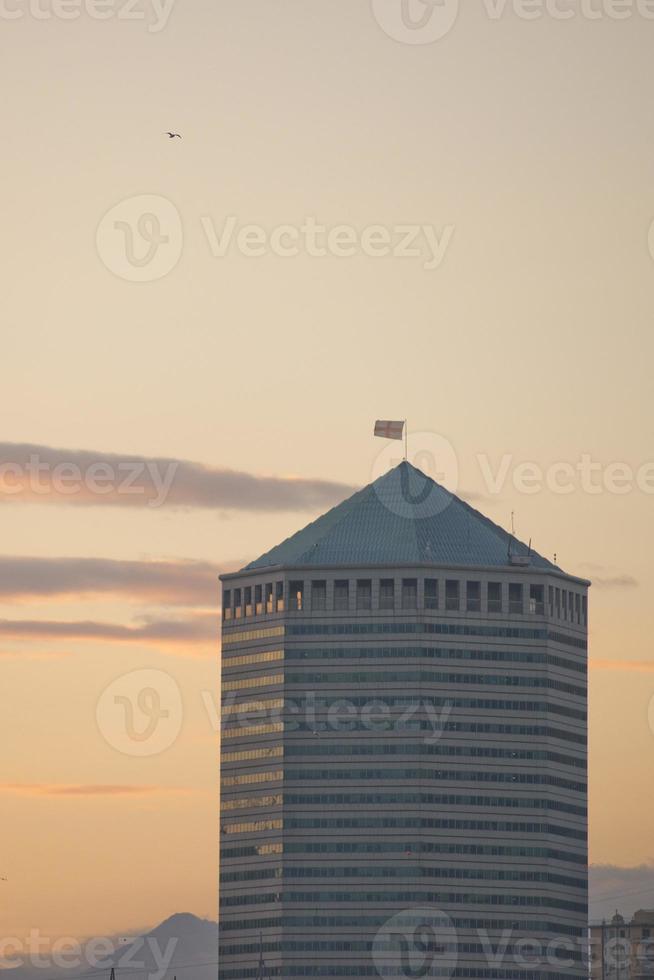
(406, 441)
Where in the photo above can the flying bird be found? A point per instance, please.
(172, 136)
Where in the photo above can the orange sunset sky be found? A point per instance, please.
(527, 147)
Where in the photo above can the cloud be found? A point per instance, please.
(33, 654)
(638, 666)
(616, 582)
(624, 888)
(55, 789)
(31, 473)
(186, 632)
(180, 583)
(607, 578)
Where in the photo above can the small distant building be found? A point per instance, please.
(621, 950)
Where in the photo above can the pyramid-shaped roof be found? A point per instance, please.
(404, 517)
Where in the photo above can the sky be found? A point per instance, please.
(363, 218)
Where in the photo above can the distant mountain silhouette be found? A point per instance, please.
(182, 946)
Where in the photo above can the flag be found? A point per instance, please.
(389, 430)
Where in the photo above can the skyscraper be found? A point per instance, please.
(403, 749)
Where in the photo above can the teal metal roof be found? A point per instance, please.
(404, 517)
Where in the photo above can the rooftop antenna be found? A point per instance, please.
(406, 441)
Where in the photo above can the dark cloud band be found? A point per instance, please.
(43, 474)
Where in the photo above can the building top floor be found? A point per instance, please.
(513, 592)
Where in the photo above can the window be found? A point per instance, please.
(515, 597)
(577, 607)
(258, 599)
(584, 610)
(364, 593)
(227, 604)
(564, 604)
(409, 593)
(431, 593)
(537, 600)
(269, 597)
(248, 600)
(238, 610)
(319, 594)
(473, 596)
(387, 593)
(279, 596)
(341, 594)
(494, 596)
(571, 605)
(296, 595)
(557, 603)
(551, 599)
(451, 595)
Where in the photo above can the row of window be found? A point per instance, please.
(434, 799)
(449, 775)
(404, 823)
(379, 677)
(464, 775)
(400, 847)
(449, 595)
(288, 921)
(264, 633)
(460, 751)
(444, 629)
(383, 677)
(276, 799)
(361, 970)
(357, 678)
(248, 778)
(247, 659)
(243, 755)
(366, 945)
(390, 748)
(257, 681)
(450, 898)
(241, 731)
(408, 870)
(446, 799)
(427, 653)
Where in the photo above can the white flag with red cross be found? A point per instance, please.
(389, 430)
